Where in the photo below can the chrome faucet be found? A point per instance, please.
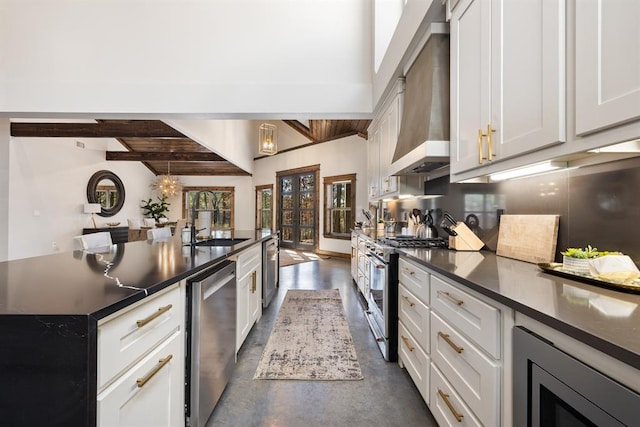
(193, 215)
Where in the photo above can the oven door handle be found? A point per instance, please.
(378, 264)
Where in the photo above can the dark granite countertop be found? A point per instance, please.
(75, 283)
(604, 319)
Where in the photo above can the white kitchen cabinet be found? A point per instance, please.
(249, 291)
(383, 137)
(149, 394)
(354, 256)
(507, 80)
(141, 351)
(453, 343)
(607, 69)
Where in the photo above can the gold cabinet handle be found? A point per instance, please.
(451, 297)
(453, 345)
(411, 304)
(455, 413)
(407, 343)
(253, 282)
(158, 313)
(490, 132)
(409, 272)
(480, 156)
(142, 381)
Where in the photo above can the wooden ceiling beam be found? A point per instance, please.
(133, 129)
(302, 129)
(150, 156)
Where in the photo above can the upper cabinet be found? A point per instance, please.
(607, 72)
(507, 80)
(383, 137)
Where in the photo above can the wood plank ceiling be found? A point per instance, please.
(160, 147)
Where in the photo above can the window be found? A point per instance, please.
(220, 204)
(264, 206)
(339, 206)
(106, 195)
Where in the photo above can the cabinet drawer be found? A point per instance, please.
(158, 402)
(446, 405)
(474, 318)
(415, 360)
(475, 377)
(415, 279)
(415, 317)
(121, 341)
(248, 260)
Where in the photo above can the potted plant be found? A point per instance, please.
(156, 210)
(577, 259)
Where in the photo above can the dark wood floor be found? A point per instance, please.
(386, 396)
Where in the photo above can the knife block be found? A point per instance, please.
(466, 240)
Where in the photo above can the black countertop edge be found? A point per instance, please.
(141, 294)
(620, 353)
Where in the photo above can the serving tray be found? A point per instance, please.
(555, 268)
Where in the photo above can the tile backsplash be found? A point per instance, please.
(598, 205)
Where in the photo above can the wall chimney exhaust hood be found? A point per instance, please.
(423, 142)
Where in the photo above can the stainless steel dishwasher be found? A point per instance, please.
(270, 264)
(211, 339)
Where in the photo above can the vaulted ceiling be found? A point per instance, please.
(160, 147)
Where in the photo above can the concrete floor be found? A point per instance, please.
(386, 396)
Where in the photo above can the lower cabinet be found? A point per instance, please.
(456, 347)
(141, 352)
(150, 393)
(249, 292)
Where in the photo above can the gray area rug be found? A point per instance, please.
(310, 340)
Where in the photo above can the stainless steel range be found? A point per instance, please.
(414, 242)
(382, 298)
(382, 293)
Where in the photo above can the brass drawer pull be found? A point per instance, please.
(406, 342)
(490, 142)
(409, 272)
(451, 297)
(451, 343)
(411, 304)
(253, 282)
(480, 156)
(455, 413)
(158, 313)
(142, 381)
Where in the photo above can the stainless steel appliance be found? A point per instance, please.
(382, 299)
(551, 388)
(270, 265)
(211, 339)
(414, 242)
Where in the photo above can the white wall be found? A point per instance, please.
(342, 156)
(190, 59)
(232, 139)
(47, 190)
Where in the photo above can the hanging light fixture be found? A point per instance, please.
(268, 139)
(167, 185)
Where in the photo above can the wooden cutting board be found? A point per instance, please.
(530, 238)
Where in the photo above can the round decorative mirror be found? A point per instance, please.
(106, 188)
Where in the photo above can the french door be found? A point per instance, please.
(298, 208)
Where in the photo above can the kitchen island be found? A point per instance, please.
(50, 309)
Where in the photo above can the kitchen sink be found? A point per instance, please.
(220, 242)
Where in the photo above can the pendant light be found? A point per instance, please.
(268, 139)
(167, 185)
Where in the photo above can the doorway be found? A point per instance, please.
(298, 208)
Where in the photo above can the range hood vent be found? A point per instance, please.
(423, 142)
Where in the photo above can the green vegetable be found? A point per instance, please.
(586, 253)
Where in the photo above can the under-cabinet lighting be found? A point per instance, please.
(535, 169)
